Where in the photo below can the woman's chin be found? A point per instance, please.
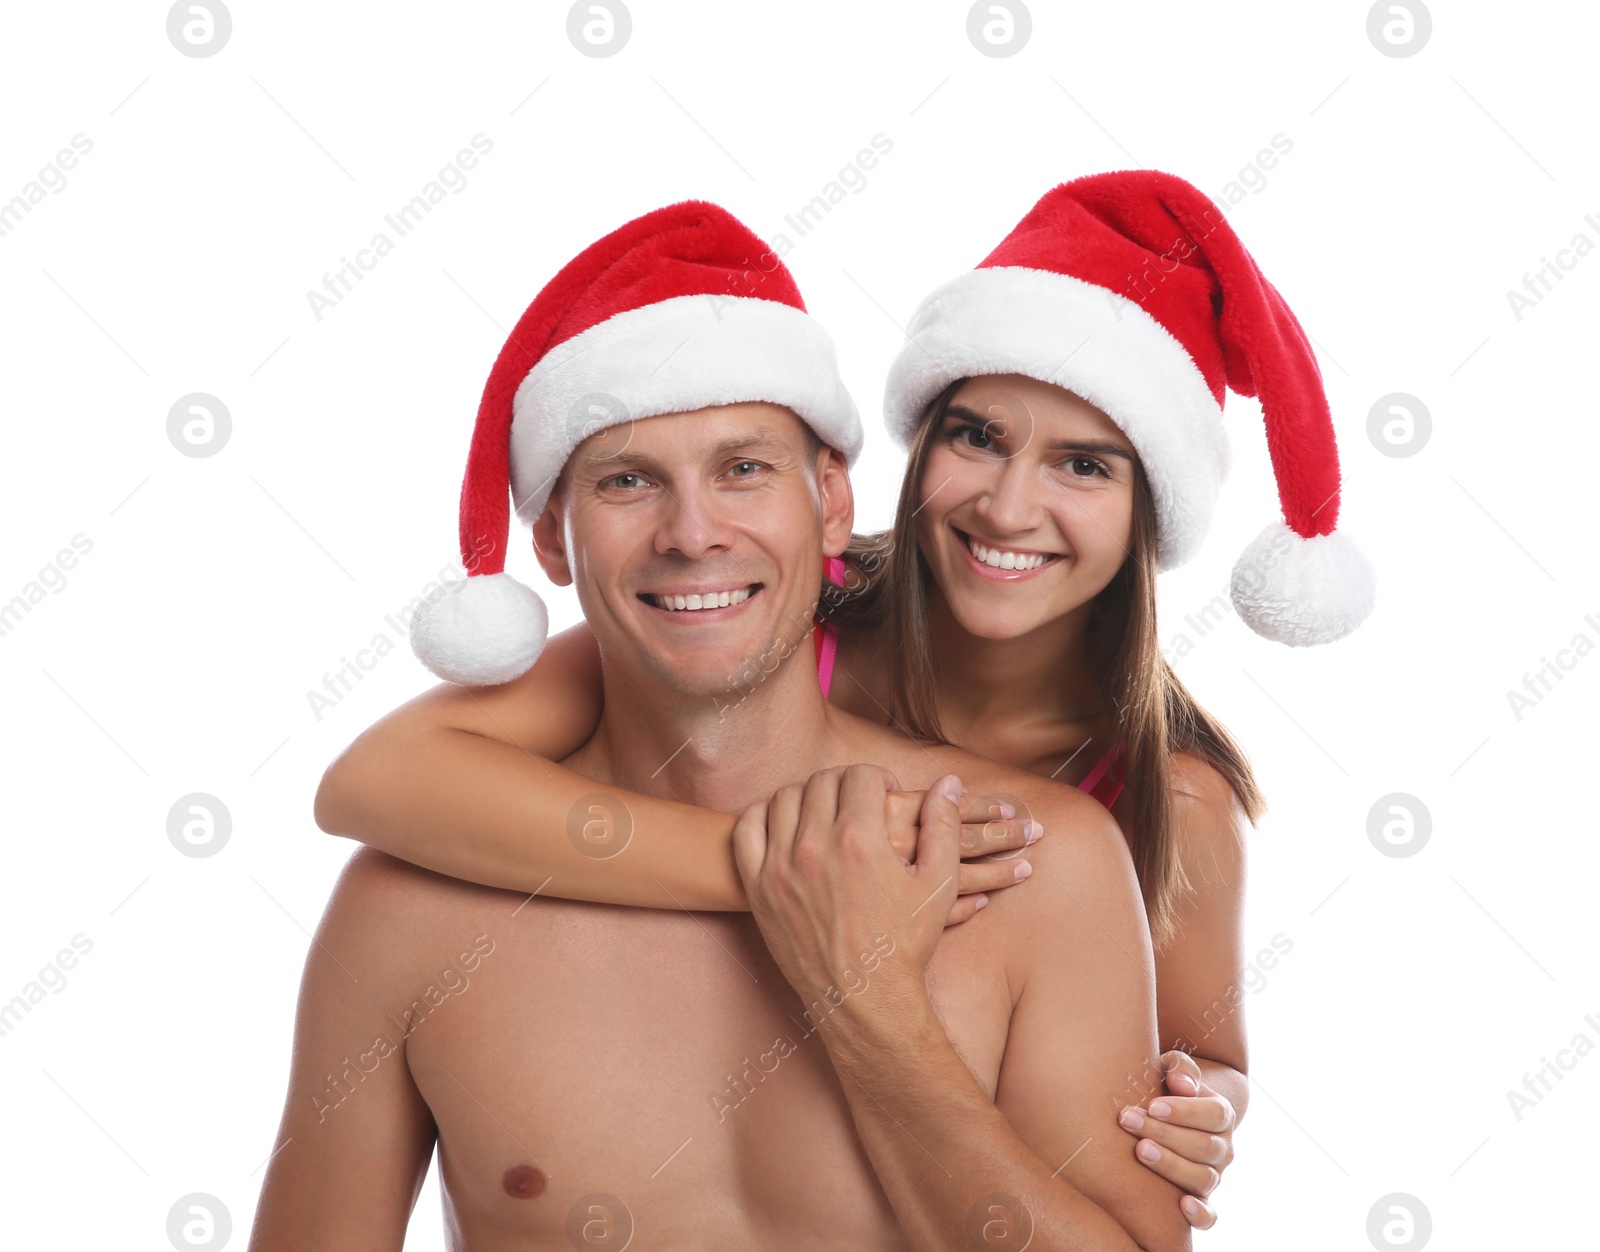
(988, 622)
(1001, 612)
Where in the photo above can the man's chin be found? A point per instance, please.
(718, 665)
(714, 660)
(714, 680)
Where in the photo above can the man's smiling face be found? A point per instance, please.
(722, 508)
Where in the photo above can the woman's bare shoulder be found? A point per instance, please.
(1208, 819)
(1193, 776)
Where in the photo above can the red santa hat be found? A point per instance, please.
(681, 309)
(1131, 290)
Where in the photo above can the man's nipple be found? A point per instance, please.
(525, 1182)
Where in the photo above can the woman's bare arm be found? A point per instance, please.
(464, 781)
(1201, 975)
(1201, 983)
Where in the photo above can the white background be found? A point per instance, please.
(219, 591)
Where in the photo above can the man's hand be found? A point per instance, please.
(990, 827)
(1186, 1137)
(832, 897)
(836, 903)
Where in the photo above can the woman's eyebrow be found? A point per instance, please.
(1061, 445)
(1091, 445)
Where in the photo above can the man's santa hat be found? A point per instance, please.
(681, 309)
(1131, 290)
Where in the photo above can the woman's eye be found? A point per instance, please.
(1095, 466)
(961, 432)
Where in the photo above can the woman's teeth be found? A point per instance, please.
(708, 600)
(999, 558)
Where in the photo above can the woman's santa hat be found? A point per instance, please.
(681, 309)
(1131, 290)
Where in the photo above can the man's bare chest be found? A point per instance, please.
(661, 1059)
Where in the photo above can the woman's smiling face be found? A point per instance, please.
(1025, 505)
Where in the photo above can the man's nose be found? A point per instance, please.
(692, 524)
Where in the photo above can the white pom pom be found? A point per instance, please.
(488, 629)
(1302, 591)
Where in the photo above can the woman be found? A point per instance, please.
(1010, 611)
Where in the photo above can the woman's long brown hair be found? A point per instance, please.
(887, 587)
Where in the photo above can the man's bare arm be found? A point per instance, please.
(1047, 1154)
(823, 889)
(356, 1137)
(1083, 1041)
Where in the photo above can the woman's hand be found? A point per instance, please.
(1186, 1136)
(989, 825)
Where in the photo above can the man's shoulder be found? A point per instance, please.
(1082, 870)
(1082, 840)
(385, 912)
(1075, 818)
(373, 883)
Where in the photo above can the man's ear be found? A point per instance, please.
(549, 542)
(838, 500)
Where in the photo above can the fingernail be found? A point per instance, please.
(1007, 810)
(1023, 870)
(1191, 1206)
(1132, 1118)
(983, 902)
(1160, 1108)
(1035, 832)
(1149, 1151)
(952, 787)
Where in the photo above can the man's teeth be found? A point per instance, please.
(999, 558)
(710, 600)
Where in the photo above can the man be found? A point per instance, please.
(596, 1074)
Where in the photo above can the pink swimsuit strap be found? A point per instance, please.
(1104, 782)
(825, 634)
